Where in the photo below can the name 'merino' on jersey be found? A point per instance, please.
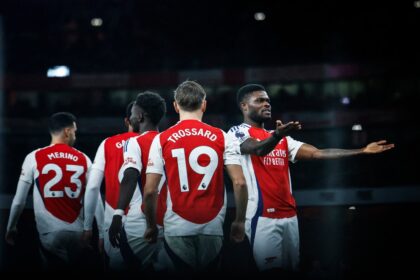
(59, 172)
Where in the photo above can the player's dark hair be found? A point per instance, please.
(244, 91)
(58, 121)
(152, 104)
(189, 95)
(128, 109)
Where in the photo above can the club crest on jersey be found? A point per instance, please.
(150, 162)
(239, 134)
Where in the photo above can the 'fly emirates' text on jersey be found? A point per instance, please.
(136, 155)
(192, 154)
(267, 177)
(59, 175)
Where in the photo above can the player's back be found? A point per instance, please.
(113, 150)
(60, 180)
(193, 154)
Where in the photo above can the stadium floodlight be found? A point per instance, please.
(59, 71)
(259, 16)
(357, 127)
(96, 22)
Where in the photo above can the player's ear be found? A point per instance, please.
(142, 117)
(66, 132)
(203, 106)
(127, 122)
(243, 106)
(176, 107)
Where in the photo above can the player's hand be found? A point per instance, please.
(11, 237)
(115, 231)
(283, 130)
(377, 147)
(150, 234)
(237, 231)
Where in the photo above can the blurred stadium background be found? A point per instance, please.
(350, 72)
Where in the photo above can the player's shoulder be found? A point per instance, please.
(242, 126)
(34, 152)
(211, 127)
(131, 141)
(239, 131)
(78, 151)
(121, 136)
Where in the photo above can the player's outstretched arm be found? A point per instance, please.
(237, 231)
(307, 151)
(261, 148)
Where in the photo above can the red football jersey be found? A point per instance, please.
(192, 154)
(61, 180)
(113, 155)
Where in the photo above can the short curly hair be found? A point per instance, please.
(152, 104)
(247, 89)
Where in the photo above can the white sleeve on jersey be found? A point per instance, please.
(132, 155)
(293, 146)
(100, 216)
(18, 204)
(88, 166)
(28, 168)
(240, 133)
(155, 162)
(231, 154)
(22, 190)
(99, 162)
(92, 192)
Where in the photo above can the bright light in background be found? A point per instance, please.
(96, 22)
(58, 71)
(417, 4)
(345, 100)
(357, 127)
(259, 16)
(352, 208)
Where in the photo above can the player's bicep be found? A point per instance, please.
(306, 152)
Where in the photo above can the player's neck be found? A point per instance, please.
(58, 140)
(148, 127)
(196, 115)
(253, 123)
